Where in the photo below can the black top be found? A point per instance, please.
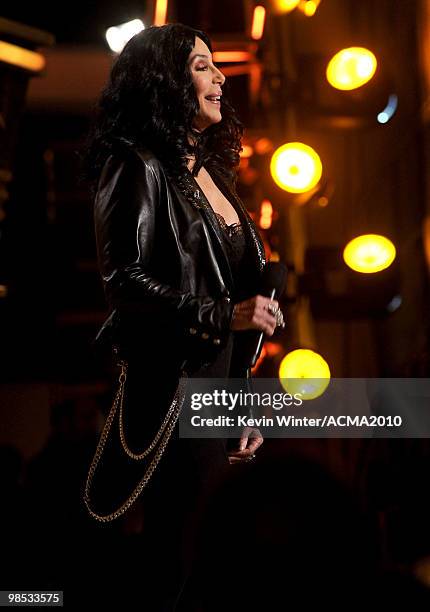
(238, 251)
(239, 254)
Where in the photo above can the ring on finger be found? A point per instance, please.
(272, 309)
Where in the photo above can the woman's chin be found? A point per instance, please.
(208, 122)
(215, 118)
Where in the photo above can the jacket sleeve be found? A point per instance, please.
(125, 217)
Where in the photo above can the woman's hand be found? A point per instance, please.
(245, 452)
(253, 314)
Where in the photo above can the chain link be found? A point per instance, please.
(167, 426)
(137, 456)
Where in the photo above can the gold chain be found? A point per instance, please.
(151, 447)
(172, 415)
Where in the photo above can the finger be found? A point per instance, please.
(263, 310)
(263, 300)
(265, 323)
(268, 318)
(247, 431)
(233, 460)
(243, 453)
(269, 329)
(255, 443)
(243, 442)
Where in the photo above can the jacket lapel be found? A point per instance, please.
(248, 224)
(193, 192)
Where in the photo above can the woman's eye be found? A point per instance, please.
(202, 68)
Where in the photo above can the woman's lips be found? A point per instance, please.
(216, 103)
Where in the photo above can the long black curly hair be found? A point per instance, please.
(150, 101)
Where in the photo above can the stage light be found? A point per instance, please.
(263, 146)
(369, 253)
(160, 12)
(258, 19)
(226, 57)
(118, 36)
(247, 151)
(306, 372)
(351, 68)
(296, 167)
(266, 214)
(385, 115)
(309, 7)
(284, 6)
(20, 57)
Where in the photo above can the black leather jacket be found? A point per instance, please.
(165, 271)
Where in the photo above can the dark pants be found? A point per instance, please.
(174, 499)
(173, 510)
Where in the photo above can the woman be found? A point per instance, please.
(181, 262)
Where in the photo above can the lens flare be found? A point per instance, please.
(296, 167)
(351, 68)
(304, 372)
(369, 253)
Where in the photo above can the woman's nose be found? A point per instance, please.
(220, 77)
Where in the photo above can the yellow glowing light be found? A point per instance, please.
(306, 372)
(160, 12)
(258, 19)
(285, 6)
(310, 8)
(231, 56)
(247, 151)
(296, 167)
(351, 68)
(23, 58)
(369, 253)
(266, 214)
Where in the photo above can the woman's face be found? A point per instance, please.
(208, 81)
